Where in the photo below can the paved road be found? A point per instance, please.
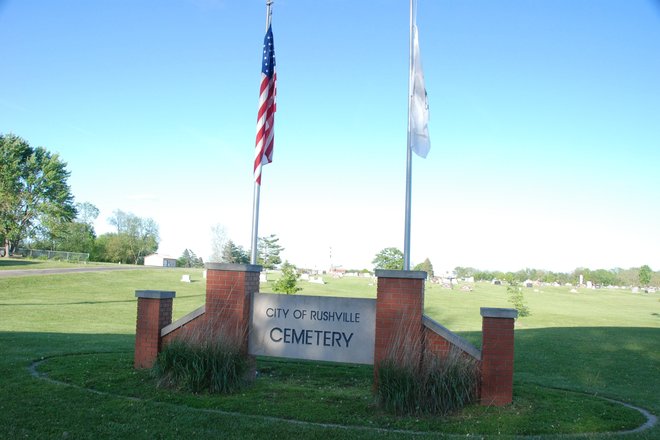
(63, 270)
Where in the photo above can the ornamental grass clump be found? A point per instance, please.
(439, 385)
(203, 361)
(398, 388)
(450, 383)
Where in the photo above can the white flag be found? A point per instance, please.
(419, 105)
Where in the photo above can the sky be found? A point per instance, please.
(545, 124)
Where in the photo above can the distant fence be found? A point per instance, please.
(52, 255)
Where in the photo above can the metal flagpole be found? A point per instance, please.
(406, 238)
(255, 223)
(257, 185)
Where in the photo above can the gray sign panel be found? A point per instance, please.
(313, 327)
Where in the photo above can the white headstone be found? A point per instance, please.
(185, 278)
(316, 280)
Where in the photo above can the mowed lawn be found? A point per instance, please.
(601, 342)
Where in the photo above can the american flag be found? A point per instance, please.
(267, 107)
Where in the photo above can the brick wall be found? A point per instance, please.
(436, 344)
(403, 334)
(399, 308)
(229, 289)
(154, 312)
(497, 356)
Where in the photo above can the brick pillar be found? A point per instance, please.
(229, 289)
(154, 311)
(497, 356)
(399, 309)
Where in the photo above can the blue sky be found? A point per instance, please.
(545, 123)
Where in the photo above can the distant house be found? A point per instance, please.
(158, 260)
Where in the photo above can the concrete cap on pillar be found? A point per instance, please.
(410, 274)
(492, 312)
(234, 267)
(154, 294)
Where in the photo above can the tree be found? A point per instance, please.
(527, 274)
(464, 272)
(71, 236)
(287, 283)
(135, 238)
(426, 266)
(268, 251)
(86, 213)
(389, 258)
(74, 237)
(645, 274)
(602, 277)
(511, 278)
(484, 276)
(33, 190)
(233, 253)
(189, 259)
(517, 298)
(218, 241)
(111, 247)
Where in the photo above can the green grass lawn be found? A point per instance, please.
(597, 342)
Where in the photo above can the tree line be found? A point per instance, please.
(636, 276)
(391, 258)
(133, 239)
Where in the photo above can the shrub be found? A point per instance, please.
(517, 298)
(287, 283)
(440, 385)
(198, 363)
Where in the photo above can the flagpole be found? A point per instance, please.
(257, 185)
(255, 223)
(406, 238)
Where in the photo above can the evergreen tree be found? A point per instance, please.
(268, 252)
(426, 266)
(287, 283)
(232, 253)
(517, 298)
(189, 259)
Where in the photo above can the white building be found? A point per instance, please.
(158, 260)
